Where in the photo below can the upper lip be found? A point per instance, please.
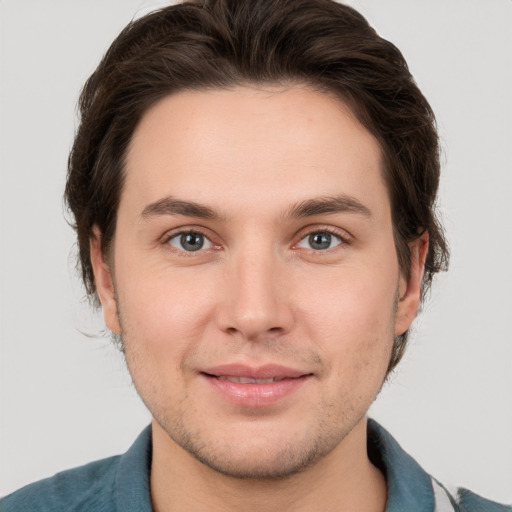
(266, 371)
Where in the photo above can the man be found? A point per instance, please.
(253, 186)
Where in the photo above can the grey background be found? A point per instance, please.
(66, 399)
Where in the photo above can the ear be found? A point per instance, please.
(104, 282)
(409, 290)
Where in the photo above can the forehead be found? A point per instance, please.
(263, 145)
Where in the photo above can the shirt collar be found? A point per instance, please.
(409, 486)
(132, 492)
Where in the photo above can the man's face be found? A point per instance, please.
(255, 274)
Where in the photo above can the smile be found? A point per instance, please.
(254, 387)
(249, 380)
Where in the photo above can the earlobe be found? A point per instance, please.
(104, 282)
(409, 290)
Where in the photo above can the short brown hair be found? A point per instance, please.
(201, 44)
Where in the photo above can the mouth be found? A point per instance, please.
(248, 380)
(254, 386)
(253, 374)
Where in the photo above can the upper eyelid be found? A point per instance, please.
(183, 230)
(170, 236)
(332, 230)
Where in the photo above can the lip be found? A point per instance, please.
(287, 381)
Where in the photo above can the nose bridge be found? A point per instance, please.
(254, 301)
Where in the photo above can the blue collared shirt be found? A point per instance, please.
(121, 484)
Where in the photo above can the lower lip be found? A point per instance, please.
(255, 395)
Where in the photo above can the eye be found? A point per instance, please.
(320, 241)
(190, 241)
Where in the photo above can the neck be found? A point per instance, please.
(344, 480)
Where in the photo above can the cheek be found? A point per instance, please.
(354, 331)
(354, 301)
(161, 329)
(165, 314)
(351, 318)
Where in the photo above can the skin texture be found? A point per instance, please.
(258, 292)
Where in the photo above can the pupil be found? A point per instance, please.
(192, 241)
(320, 240)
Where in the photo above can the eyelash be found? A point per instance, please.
(343, 237)
(167, 239)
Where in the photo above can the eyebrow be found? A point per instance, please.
(307, 208)
(171, 206)
(328, 205)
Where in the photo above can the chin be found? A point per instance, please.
(268, 464)
(257, 453)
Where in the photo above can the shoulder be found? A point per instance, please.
(119, 483)
(88, 487)
(410, 487)
(468, 501)
(462, 500)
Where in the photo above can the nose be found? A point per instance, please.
(255, 300)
